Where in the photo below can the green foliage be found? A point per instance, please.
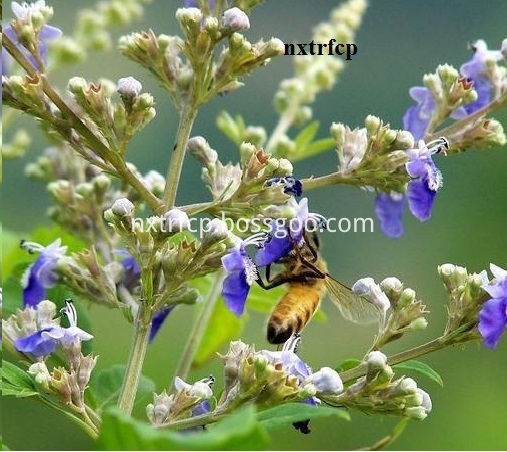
(294, 412)
(4, 447)
(240, 431)
(222, 327)
(16, 382)
(106, 384)
(348, 364)
(421, 368)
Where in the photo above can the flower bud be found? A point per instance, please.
(176, 221)
(416, 412)
(407, 297)
(77, 85)
(392, 287)
(376, 360)
(235, 20)
(407, 386)
(503, 49)
(122, 207)
(367, 288)
(129, 87)
(327, 381)
(158, 410)
(426, 400)
(41, 375)
(199, 148)
(372, 124)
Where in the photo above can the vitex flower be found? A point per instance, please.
(284, 235)
(476, 70)
(291, 185)
(241, 273)
(201, 389)
(421, 190)
(493, 314)
(41, 274)
(24, 13)
(45, 341)
(325, 380)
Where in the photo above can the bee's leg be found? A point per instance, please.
(278, 280)
(311, 248)
(303, 260)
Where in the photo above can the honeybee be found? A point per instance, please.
(305, 272)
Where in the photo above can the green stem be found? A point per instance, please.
(195, 421)
(136, 359)
(187, 118)
(330, 179)
(198, 329)
(458, 125)
(424, 349)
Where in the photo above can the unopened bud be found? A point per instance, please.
(235, 20)
(327, 381)
(122, 207)
(129, 87)
(376, 360)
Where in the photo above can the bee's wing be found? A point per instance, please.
(352, 306)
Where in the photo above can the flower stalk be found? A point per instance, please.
(198, 329)
(187, 118)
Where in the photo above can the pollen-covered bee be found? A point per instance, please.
(305, 272)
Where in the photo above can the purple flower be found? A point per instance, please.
(241, 273)
(132, 271)
(421, 190)
(45, 341)
(389, 208)
(41, 274)
(158, 320)
(417, 118)
(291, 185)
(282, 236)
(23, 13)
(476, 70)
(493, 314)
(427, 179)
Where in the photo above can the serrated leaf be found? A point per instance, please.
(239, 431)
(306, 136)
(421, 368)
(324, 144)
(294, 412)
(16, 382)
(348, 364)
(106, 385)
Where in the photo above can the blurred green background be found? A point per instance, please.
(398, 42)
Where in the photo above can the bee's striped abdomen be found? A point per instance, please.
(293, 312)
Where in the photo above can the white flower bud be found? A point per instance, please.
(367, 287)
(235, 20)
(376, 360)
(186, 16)
(40, 373)
(407, 386)
(503, 49)
(327, 381)
(76, 85)
(416, 412)
(176, 221)
(122, 207)
(426, 400)
(218, 229)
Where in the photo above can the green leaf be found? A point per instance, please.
(306, 136)
(222, 327)
(422, 368)
(348, 364)
(294, 412)
(106, 385)
(16, 382)
(239, 431)
(4, 447)
(314, 148)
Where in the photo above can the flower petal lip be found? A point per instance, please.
(389, 211)
(158, 320)
(492, 321)
(38, 343)
(420, 199)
